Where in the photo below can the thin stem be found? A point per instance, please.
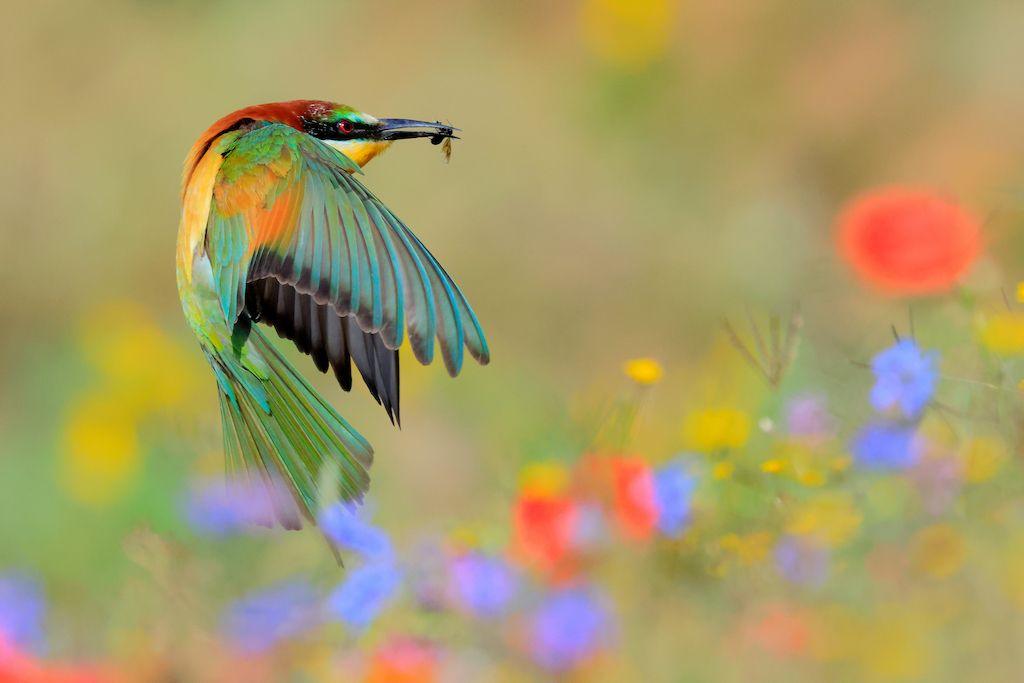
(742, 347)
(774, 336)
(762, 350)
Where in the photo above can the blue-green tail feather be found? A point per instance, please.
(278, 431)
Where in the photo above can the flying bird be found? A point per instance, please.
(277, 231)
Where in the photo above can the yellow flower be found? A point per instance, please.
(142, 371)
(830, 518)
(644, 371)
(722, 470)
(812, 478)
(101, 449)
(797, 461)
(136, 357)
(1003, 333)
(748, 549)
(841, 463)
(628, 33)
(546, 478)
(983, 457)
(716, 429)
(938, 551)
(1020, 292)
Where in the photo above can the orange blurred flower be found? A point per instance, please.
(403, 660)
(908, 241)
(635, 504)
(778, 629)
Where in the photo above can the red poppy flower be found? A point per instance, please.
(17, 666)
(906, 241)
(636, 507)
(545, 529)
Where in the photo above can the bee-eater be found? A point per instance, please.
(277, 229)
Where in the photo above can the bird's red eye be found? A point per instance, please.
(345, 126)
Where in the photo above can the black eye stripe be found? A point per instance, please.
(330, 130)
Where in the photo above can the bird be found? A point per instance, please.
(278, 231)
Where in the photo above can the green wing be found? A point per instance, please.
(297, 242)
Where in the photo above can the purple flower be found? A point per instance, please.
(886, 446)
(222, 508)
(905, 379)
(808, 419)
(673, 493)
(590, 530)
(938, 479)
(342, 525)
(569, 627)
(262, 619)
(802, 561)
(22, 612)
(364, 594)
(481, 584)
(427, 575)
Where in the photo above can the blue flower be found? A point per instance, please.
(483, 585)
(802, 561)
(673, 491)
(905, 379)
(885, 446)
(22, 612)
(262, 619)
(364, 594)
(568, 628)
(221, 508)
(342, 525)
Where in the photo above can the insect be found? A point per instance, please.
(444, 138)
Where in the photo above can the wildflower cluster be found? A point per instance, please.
(785, 530)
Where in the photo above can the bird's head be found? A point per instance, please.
(360, 136)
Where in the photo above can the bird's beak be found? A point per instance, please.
(403, 129)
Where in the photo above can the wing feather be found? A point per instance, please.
(297, 242)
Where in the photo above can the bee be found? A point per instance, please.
(444, 138)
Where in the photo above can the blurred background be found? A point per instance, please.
(631, 174)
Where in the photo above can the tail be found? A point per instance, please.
(280, 435)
